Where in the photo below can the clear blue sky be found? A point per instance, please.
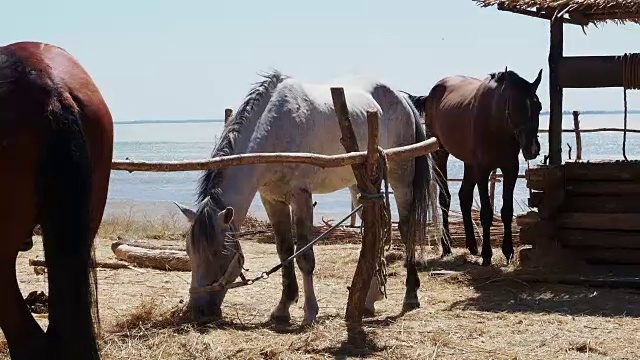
(167, 59)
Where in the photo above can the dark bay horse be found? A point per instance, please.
(485, 124)
(56, 144)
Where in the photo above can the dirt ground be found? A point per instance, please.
(480, 313)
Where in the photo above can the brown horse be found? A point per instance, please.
(485, 124)
(56, 144)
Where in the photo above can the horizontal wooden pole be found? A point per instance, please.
(323, 161)
(590, 71)
(596, 130)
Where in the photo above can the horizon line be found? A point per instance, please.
(191, 121)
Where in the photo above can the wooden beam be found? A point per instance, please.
(323, 161)
(555, 93)
(599, 221)
(603, 239)
(609, 256)
(602, 170)
(600, 188)
(582, 72)
(612, 204)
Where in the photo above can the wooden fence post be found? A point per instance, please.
(576, 129)
(228, 113)
(369, 180)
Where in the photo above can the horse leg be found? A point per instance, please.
(440, 158)
(465, 196)
(353, 190)
(25, 338)
(402, 186)
(510, 176)
(279, 215)
(302, 205)
(486, 214)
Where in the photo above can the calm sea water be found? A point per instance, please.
(185, 141)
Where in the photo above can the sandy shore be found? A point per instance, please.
(163, 209)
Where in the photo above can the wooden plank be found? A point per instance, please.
(592, 281)
(536, 198)
(602, 170)
(599, 221)
(624, 188)
(610, 256)
(540, 231)
(604, 239)
(590, 71)
(543, 178)
(624, 204)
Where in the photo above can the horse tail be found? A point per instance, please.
(65, 193)
(425, 197)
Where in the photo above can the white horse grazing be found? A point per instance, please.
(281, 114)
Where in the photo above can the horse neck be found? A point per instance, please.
(238, 189)
(240, 183)
(498, 118)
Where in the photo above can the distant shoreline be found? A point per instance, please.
(195, 121)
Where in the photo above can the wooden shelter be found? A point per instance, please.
(589, 208)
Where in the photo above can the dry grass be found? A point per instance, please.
(616, 11)
(472, 313)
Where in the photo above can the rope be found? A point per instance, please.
(383, 223)
(630, 80)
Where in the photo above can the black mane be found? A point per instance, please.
(514, 79)
(211, 180)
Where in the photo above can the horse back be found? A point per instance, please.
(454, 112)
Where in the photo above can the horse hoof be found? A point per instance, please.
(368, 313)
(473, 251)
(280, 319)
(508, 256)
(410, 306)
(307, 322)
(486, 262)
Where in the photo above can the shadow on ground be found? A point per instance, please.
(520, 290)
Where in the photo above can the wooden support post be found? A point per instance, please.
(228, 113)
(576, 128)
(555, 93)
(369, 180)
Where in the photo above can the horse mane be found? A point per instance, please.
(514, 79)
(211, 180)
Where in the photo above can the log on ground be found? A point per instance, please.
(98, 264)
(170, 260)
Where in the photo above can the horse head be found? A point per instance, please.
(522, 109)
(215, 255)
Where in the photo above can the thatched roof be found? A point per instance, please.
(580, 12)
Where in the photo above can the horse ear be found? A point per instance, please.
(190, 214)
(537, 81)
(225, 216)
